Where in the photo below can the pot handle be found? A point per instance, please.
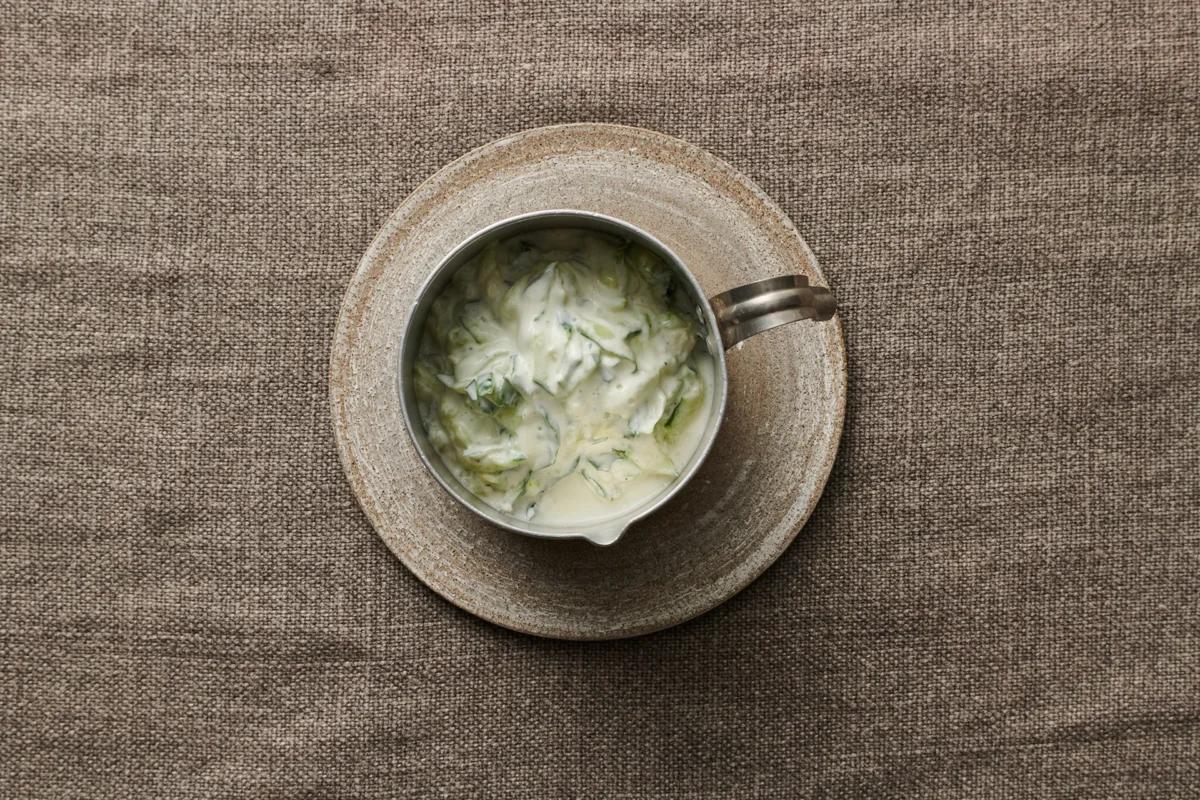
(756, 307)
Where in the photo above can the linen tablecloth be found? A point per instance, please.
(998, 596)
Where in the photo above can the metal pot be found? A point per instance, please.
(728, 318)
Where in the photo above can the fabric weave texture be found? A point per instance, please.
(998, 596)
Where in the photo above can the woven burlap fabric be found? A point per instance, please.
(998, 596)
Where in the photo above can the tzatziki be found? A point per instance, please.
(563, 376)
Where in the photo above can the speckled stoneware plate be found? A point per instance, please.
(787, 391)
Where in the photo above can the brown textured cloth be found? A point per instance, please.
(999, 595)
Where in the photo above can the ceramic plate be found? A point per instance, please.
(787, 390)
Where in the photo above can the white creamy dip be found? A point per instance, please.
(563, 376)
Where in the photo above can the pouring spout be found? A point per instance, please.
(604, 535)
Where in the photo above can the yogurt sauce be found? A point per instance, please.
(563, 376)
